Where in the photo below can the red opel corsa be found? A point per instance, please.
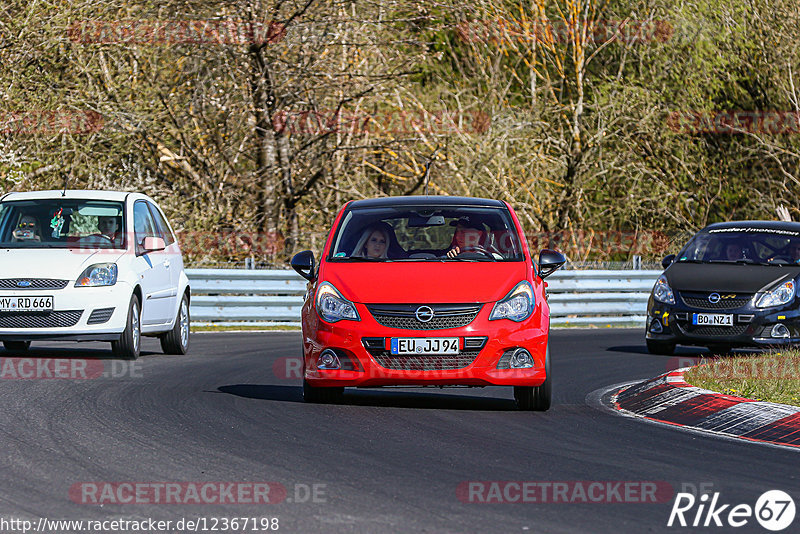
(437, 291)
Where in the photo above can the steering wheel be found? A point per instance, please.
(94, 237)
(476, 248)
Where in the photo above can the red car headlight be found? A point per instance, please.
(332, 306)
(517, 305)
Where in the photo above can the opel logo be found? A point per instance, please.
(424, 314)
(713, 298)
(24, 283)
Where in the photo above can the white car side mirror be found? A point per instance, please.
(153, 243)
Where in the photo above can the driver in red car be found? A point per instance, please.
(469, 235)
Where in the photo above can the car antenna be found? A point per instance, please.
(428, 165)
(64, 192)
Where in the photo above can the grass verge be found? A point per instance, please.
(770, 376)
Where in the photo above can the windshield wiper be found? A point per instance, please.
(358, 258)
(741, 261)
(466, 259)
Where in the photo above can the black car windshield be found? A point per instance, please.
(426, 233)
(743, 245)
(61, 223)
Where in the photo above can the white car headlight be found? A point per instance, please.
(99, 274)
(782, 294)
(662, 292)
(332, 306)
(517, 305)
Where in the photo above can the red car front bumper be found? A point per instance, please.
(347, 338)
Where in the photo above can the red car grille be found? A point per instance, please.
(437, 362)
(404, 315)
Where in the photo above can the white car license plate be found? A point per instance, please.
(712, 319)
(24, 304)
(424, 345)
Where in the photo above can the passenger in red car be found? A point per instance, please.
(374, 243)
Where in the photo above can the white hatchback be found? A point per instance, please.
(90, 266)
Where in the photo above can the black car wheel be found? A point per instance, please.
(176, 341)
(660, 347)
(128, 346)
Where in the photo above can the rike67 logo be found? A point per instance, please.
(774, 510)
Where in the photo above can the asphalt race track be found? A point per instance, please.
(385, 461)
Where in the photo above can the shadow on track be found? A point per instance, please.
(67, 353)
(375, 397)
(642, 349)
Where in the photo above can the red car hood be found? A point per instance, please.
(435, 282)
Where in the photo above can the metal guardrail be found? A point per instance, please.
(230, 297)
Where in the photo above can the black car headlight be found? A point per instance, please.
(662, 292)
(777, 296)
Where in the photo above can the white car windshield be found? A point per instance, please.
(427, 233)
(62, 223)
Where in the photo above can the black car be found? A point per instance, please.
(733, 285)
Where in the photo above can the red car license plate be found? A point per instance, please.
(424, 345)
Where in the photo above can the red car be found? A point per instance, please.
(432, 291)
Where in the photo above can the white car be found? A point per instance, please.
(90, 266)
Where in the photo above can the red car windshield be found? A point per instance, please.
(426, 233)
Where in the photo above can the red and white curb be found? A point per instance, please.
(669, 399)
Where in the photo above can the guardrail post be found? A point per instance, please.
(637, 263)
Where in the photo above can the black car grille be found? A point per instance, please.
(404, 315)
(700, 301)
(434, 362)
(715, 331)
(55, 319)
(35, 283)
(100, 316)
